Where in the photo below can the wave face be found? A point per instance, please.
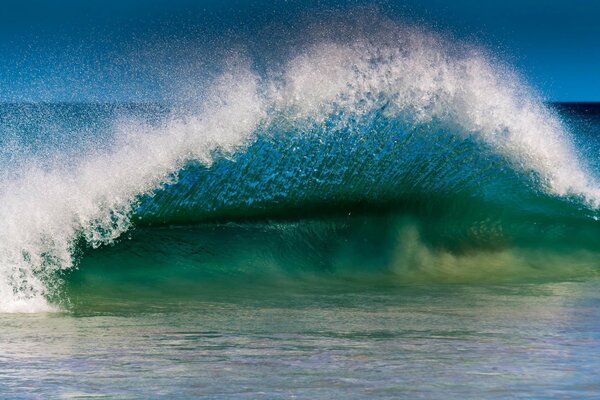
(462, 161)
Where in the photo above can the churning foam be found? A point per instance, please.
(409, 73)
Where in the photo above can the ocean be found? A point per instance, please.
(387, 216)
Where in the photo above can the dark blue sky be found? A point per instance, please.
(129, 50)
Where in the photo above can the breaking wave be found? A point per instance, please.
(398, 121)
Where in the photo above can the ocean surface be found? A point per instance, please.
(380, 217)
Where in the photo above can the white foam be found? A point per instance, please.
(414, 74)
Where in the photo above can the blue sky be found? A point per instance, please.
(127, 50)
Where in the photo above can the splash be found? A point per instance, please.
(404, 73)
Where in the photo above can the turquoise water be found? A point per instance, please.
(381, 216)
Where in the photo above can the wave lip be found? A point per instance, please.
(330, 88)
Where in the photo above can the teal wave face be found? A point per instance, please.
(185, 263)
(378, 162)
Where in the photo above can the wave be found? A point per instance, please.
(397, 118)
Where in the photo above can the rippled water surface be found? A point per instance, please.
(432, 341)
